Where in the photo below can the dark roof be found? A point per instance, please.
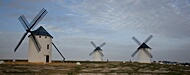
(41, 31)
(97, 48)
(144, 46)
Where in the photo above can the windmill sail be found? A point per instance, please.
(59, 51)
(36, 43)
(102, 44)
(101, 53)
(38, 18)
(20, 41)
(135, 53)
(93, 44)
(148, 39)
(137, 41)
(24, 22)
(30, 26)
(148, 53)
(91, 53)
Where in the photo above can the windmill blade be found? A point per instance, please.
(148, 53)
(58, 51)
(91, 53)
(24, 22)
(38, 18)
(135, 53)
(101, 53)
(93, 44)
(147, 39)
(102, 44)
(20, 41)
(36, 43)
(137, 41)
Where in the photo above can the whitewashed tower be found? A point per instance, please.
(40, 41)
(98, 55)
(45, 41)
(144, 56)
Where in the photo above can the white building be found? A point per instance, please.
(45, 41)
(98, 56)
(144, 55)
(97, 52)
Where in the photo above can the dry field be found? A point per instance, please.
(91, 68)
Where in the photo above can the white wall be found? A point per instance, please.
(34, 56)
(143, 57)
(97, 56)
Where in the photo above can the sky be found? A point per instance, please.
(74, 23)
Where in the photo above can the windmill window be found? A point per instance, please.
(47, 46)
(39, 36)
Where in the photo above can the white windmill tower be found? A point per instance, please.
(40, 41)
(45, 41)
(98, 55)
(144, 55)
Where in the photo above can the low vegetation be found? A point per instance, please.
(92, 68)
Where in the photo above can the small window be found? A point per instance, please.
(39, 36)
(47, 46)
(45, 36)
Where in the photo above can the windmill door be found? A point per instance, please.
(47, 58)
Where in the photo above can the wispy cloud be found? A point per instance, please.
(57, 29)
(147, 16)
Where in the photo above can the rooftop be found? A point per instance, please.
(144, 46)
(41, 31)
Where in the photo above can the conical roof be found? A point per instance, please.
(97, 48)
(144, 46)
(41, 31)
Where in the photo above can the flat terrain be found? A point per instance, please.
(91, 68)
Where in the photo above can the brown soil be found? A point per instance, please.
(91, 68)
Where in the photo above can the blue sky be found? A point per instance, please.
(74, 23)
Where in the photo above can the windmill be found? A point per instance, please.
(144, 55)
(98, 55)
(39, 40)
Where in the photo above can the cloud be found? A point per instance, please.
(52, 28)
(170, 19)
(56, 29)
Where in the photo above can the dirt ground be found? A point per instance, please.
(91, 68)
